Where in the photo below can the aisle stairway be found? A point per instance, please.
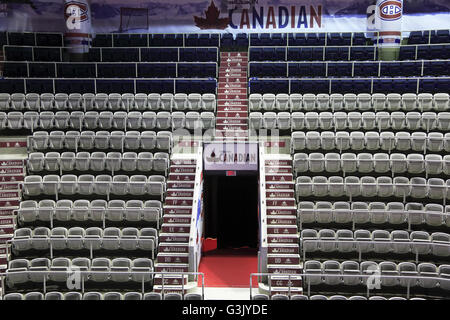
(173, 254)
(282, 233)
(232, 101)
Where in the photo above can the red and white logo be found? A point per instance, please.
(391, 10)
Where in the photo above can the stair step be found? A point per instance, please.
(171, 267)
(12, 170)
(5, 238)
(284, 269)
(170, 280)
(282, 229)
(279, 177)
(181, 177)
(179, 201)
(9, 186)
(175, 219)
(173, 247)
(241, 96)
(281, 282)
(280, 202)
(283, 248)
(182, 169)
(286, 290)
(170, 289)
(180, 185)
(281, 220)
(277, 169)
(233, 79)
(174, 237)
(175, 228)
(171, 257)
(232, 104)
(275, 162)
(8, 211)
(183, 162)
(274, 258)
(7, 230)
(232, 91)
(289, 185)
(185, 193)
(277, 211)
(280, 194)
(183, 210)
(6, 221)
(232, 114)
(282, 238)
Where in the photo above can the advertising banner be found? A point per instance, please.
(228, 16)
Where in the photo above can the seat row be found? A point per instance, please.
(425, 52)
(87, 184)
(377, 241)
(82, 210)
(94, 238)
(98, 161)
(429, 36)
(349, 102)
(119, 120)
(351, 273)
(368, 186)
(112, 101)
(353, 120)
(365, 162)
(131, 54)
(342, 69)
(92, 295)
(262, 296)
(371, 141)
(21, 271)
(377, 213)
(116, 140)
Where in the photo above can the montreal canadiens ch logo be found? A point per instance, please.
(390, 10)
(77, 9)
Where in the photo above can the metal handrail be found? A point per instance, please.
(360, 274)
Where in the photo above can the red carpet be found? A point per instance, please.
(228, 267)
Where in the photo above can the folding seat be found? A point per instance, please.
(381, 239)
(419, 188)
(332, 162)
(313, 269)
(434, 214)
(164, 140)
(387, 141)
(61, 101)
(443, 121)
(381, 162)
(97, 161)
(416, 213)
(336, 186)
(114, 101)
(342, 212)
(82, 161)
(180, 101)
(50, 184)
(148, 140)
(119, 120)
(15, 120)
(22, 239)
(298, 140)
(87, 140)
(133, 208)
(112, 296)
(309, 101)
(364, 101)
(441, 101)
(17, 101)
(80, 210)
(298, 121)
(365, 162)
(303, 186)
(123, 266)
(350, 268)
(4, 101)
(433, 164)
(435, 141)
(140, 101)
(178, 120)
(413, 120)
(295, 101)
(163, 120)
(427, 270)
(300, 162)
(46, 100)
(324, 214)
(331, 269)
(129, 161)
(398, 120)
(39, 264)
(71, 139)
(283, 120)
(394, 101)
(388, 268)
(208, 102)
(33, 296)
(306, 211)
(166, 101)
(383, 120)
(349, 101)
(149, 120)
(28, 121)
(402, 187)
(385, 187)
(379, 101)
(32, 185)
(325, 120)
(54, 296)
(447, 142)
(437, 189)
(138, 184)
(102, 184)
(93, 238)
(148, 239)
(409, 101)
(378, 213)
(96, 295)
(17, 273)
(132, 140)
(46, 210)
(134, 120)
(352, 186)
(98, 210)
(342, 140)
(398, 163)
(63, 210)
(36, 161)
(420, 242)
(429, 121)
(120, 185)
(320, 186)
(360, 212)
(316, 162)
(192, 120)
(101, 265)
(340, 120)
(354, 120)
(58, 265)
(161, 162)
(68, 184)
(156, 185)
(86, 184)
(349, 162)
(400, 243)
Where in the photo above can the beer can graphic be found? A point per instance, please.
(78, 25)
(389, 22)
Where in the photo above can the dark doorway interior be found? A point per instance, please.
(231, 210)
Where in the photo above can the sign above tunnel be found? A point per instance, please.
(230, 156)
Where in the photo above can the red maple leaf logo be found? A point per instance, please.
(212, 20)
